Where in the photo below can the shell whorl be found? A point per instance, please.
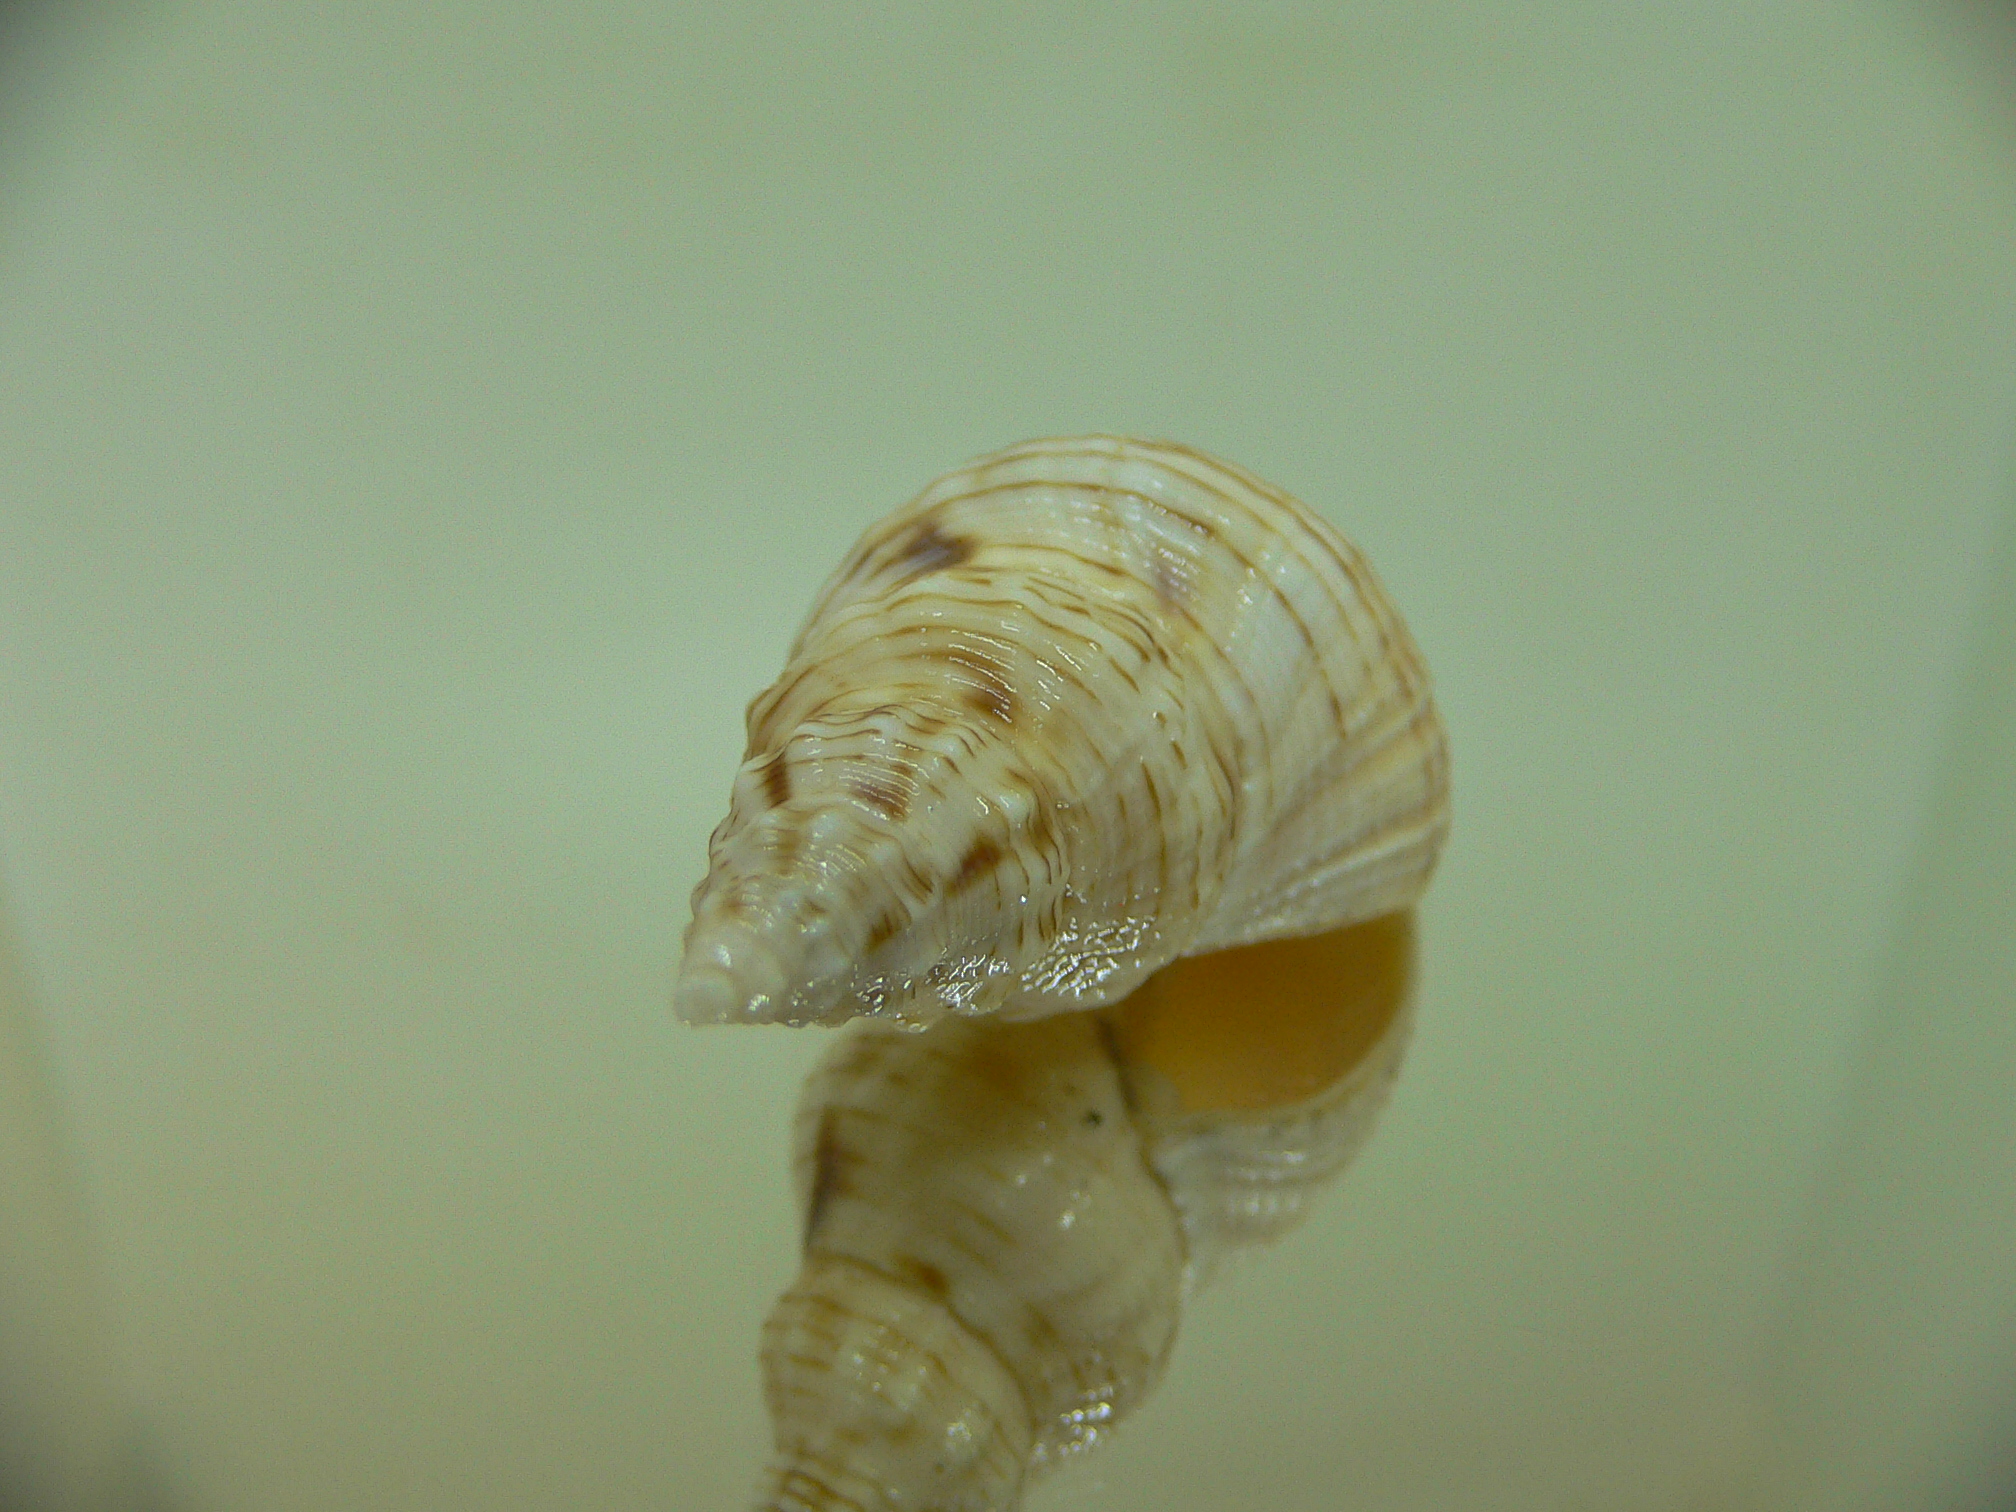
(960, 1320)
(1082, 707)
(1001, 1218)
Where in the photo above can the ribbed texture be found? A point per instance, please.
(883, 1402)
(1082, 707)
(1001, 1218)
(992, 1273)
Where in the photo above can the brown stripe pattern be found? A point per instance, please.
(991, 1271)
(1085, 705)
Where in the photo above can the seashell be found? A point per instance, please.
(1083, 707)
(1091, 724)
(1002, 1218)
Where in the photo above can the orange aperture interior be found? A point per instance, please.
(1269, 1025)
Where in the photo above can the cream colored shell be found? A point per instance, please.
(1083, 709)
(1084, 706)
(1001, 1220)
(991, 1271)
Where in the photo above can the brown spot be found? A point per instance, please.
(832, 1163)
(930, 549)
(1042, 828)
(887, 796)
(884, 931)
(977, 863)
(985, 677)
(993, 697)
(922, 1275)
(777, 781)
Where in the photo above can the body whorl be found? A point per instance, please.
(1082, 707)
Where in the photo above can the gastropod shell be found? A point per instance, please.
(1082, 707)
(1098, 725)
(1002, 1219)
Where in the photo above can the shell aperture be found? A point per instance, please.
(1083, 707)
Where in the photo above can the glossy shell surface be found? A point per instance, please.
(1001, 1219)
(1084, 706)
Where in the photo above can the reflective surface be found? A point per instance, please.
(1002, 1220)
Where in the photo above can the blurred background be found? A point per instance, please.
(422, 425)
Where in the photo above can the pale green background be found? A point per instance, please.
(421, 426)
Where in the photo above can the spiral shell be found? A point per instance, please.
(1083, 707)
(1001, 1218)
(1091, 724)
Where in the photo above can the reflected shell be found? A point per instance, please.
(1002, 1219)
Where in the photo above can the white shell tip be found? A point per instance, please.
(764, 969)
(707, 995)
